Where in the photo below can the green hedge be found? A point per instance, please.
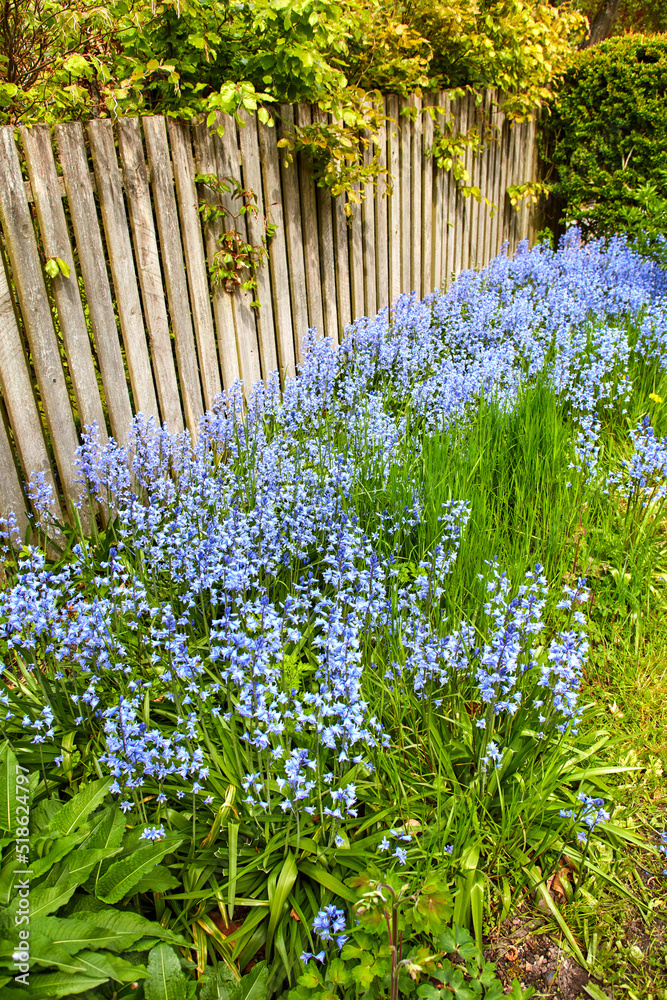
(606, 138)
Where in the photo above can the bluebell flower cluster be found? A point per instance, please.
(244, 598)
(591, 813)
(329, 925)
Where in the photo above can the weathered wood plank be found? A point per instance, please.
(394, 199)
(126, 287)
(511, 214)
(356, 249)
(171, 248)
(311, 244)
(289, 175)
(17, 392)
(491, 235)
(137, 191)
(252, 178)
(460, 218)
(405, 149)
(36, 313)
(12, 498)
(450, 207)
(195, 261)
(427, 264)
(223, 310)
(416, 198)
(503, 174)
(381, 221)
(229, 165)
(439, 221)
(90, 251)
(368, 229)
(326, 239)
(342, 263)
(273, 206)
(38, 152)
(475, 170)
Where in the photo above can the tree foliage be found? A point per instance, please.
(81, 58)
(606, 138)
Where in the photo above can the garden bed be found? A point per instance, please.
(315, 705)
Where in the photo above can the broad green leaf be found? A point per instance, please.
(45, 900)
(44, 952)
(56, 853)
(75, 934)
(103, 964)
(8, 786)
(217, 983)
(286, 880)
(254, 985)
(158, 880)
(122, 876)
(74, 812)
(128, 927)
(53, 985)
(166, 980)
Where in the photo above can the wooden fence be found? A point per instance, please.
(138, 327)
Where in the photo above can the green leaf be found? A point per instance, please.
(53, 985)
(44, 900)
(166, 980)
(63, 266)
(595, 991)
(328, 880)
(111, 966)
(158, 880)
(74, 934)
(286, 880)
(121, 878)
(125, 927)
(8, 785)
(217, 983)
(254, 985)
(74, 812)
(51, 267)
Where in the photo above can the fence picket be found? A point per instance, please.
(369, 250)
(137, 191)
(252, 178)
(11, 495)
(439, 189)
(381, 221)
(36, 142)
(326, 239)
(195, 261)
(311, 245)
(427, 265)
(416, 198)
(223, 311)
(289, 175)
(36, 311)
(17, 393)
(394, 199)
(342, 263)
(229, 165)
(405, 151)
(166, 214)
(119, 247)
(356, 245)
(273, 206)
(90, 252)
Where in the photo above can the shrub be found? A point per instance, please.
(606, 138)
